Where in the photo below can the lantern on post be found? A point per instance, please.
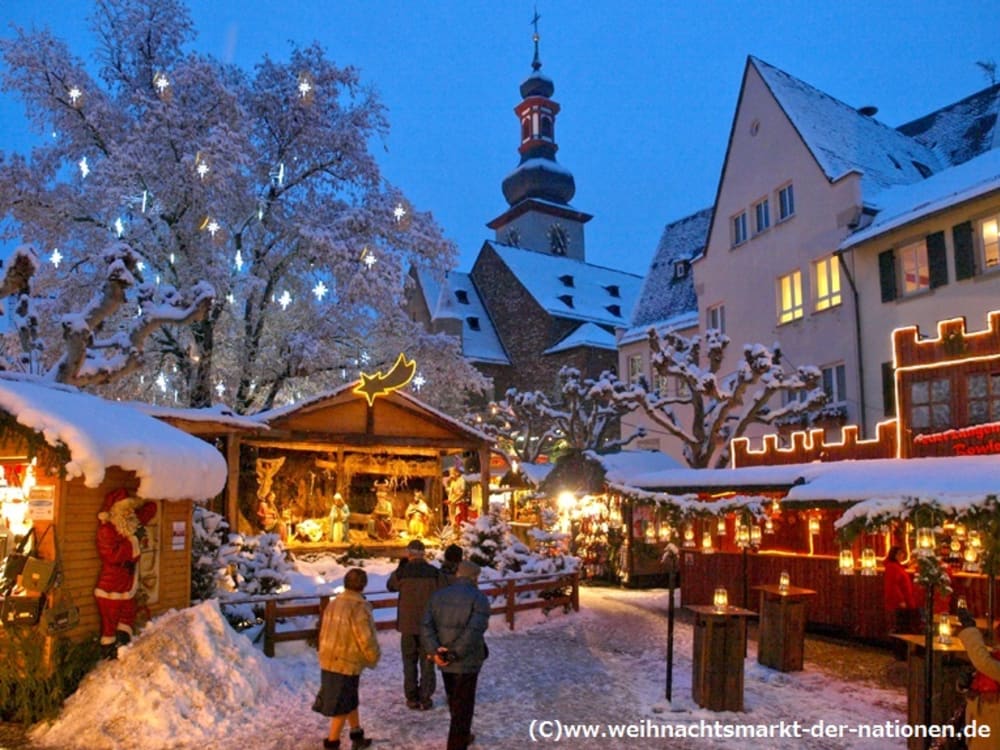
(869, 563)
(720, 600)
(846, 563)
(784, 581)
(925, 540)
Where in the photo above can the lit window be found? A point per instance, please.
(991, 243)
(835, 384)
(715, 317)
(740, 228)
(790, 297)
(826, 273)
(671, 386)
(762, 216)
(634, 368)
(916, 275)
(786, 203)
(930, 405)
(983, 394)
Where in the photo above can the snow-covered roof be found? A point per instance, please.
(535, 473)
(569, 288)
(960, 131)
(586, 334)
(900, 205)
(843, 140)
(620, 467)
(458, 298)
(665, 294)
(958, 479)
(216, 413)
(170, 464)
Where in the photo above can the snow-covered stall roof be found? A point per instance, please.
(569, 288)
(218, 414)
(906, 203)
(458, 298)
(170, 464)
(622, 466)
(842, 139)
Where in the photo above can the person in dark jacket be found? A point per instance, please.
(415, 579)
(453, 555)
(456, 619)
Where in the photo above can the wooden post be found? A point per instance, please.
(511, 594)
(232, 512)
(928, 661)
(575, 595)
(269, 625)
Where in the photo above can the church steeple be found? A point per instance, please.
(540, 183)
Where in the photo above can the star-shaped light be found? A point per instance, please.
(84, 167)
(399, 212)
(56, 257)
(212, 227)
(119, 226)
(202, 169)
(75, 95)
(220, 388)
(285, 300)
(161, 83)
(161, 382)
(238, 261)
(419, 381)
(368, 258)
(320, 290)
(304, 87)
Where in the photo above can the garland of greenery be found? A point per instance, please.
(51, 458)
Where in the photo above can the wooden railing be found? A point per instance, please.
(553, 591)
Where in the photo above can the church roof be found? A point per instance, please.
(960, 131)
(587, 334)
(842, 140)
(573, 289)
(668, 295)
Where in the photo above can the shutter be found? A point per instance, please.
(888, 390)
(887, 274)
(937, 259)
(965, 253)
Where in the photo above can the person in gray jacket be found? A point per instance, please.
(456, 619)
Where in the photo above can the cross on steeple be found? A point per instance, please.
(536, 63)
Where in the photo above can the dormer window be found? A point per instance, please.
(615, 310)
(567, 299)
(473, 323)
(567, 280)
(681, 268)
(462, 296)
(613, 290)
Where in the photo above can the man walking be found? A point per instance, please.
(456, 619)
(415, 580)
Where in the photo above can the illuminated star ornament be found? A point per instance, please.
(399, 212)
(372, 386)
(419, 381)
(220, 388)
(201, 166)
(238, 261)
(56, 257)
(368, 258)
(75, 96)
(212, 227)
(161, 83)
(320, 290)
(285, 300)
(84, 167)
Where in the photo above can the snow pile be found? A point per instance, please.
(138, 700)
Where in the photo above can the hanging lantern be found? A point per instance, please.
(869, 563)
(960, 530)
(650, 533)
(743, 536)
(720, 526)
(814, 525)
(755, 537)
(689, 536)
(846, 564)
(720, 600)
(925, 540)
(970, 562)
(665, 532)
(768, 525)
(784, 580)
(956, 546)
(706, 543)
(975, 540)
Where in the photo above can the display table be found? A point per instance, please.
(782, 637)
(949, 662)
(720, 642)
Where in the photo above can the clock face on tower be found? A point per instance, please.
(558, 239)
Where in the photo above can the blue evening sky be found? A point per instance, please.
(648, 89)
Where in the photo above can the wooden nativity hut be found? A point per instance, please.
(63, 452)
(378, 454)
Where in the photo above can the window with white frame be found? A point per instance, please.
(786, 202)
(761, 216)
(790, 297)
(740, 228)
(671, 386)
(826, 282)
(989, 232)
(634, 368)
(930, 405)
(914, 269)
(835, 384)
(983, 397)
(715, 317)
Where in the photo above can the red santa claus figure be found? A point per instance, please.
(122, 519)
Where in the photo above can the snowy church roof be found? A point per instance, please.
(457, 298)
(843, 140)
(170, 464)
(667, 296)
(906, 203)
(960, 131)
(569, 288)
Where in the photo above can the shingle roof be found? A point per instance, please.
(587, 334)
(960, 131)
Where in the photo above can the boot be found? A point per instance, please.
(331, 744)
(109, 651)
(358, 739)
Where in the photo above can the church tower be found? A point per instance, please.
(538, 191)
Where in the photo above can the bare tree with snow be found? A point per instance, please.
(722, 407)
(258, 185)
(529, 424)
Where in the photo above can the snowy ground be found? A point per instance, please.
(190, 682)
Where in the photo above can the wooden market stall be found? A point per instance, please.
(379, 455)
(65, 454)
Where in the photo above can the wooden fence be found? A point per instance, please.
(552, 591)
